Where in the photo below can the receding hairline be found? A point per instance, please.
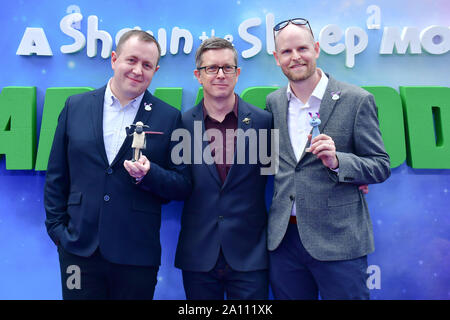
(141, 36)
(214, 43)
(304, 27)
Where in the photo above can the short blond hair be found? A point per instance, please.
(142, 36)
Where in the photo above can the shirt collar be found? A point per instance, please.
(318, 91)
(110, 99)
(234, 111)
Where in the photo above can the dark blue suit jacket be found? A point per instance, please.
(91, 204)
(231, 216)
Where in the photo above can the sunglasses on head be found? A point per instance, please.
(296, 21)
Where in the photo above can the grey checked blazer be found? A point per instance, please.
(332, 216)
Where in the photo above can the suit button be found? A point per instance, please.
(109, 170)
(297, 168)
(220, 218)
(106, 198)
(292, 197)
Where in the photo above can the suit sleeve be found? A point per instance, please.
(57, 181)
(268, 107)
(172, 182)
(368, 163)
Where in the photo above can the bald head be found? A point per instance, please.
(292, 29)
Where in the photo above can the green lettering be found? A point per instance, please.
(18, 127)
(199, 96)
(426, 111)
(55, 99)
(253, 95)
(390, 116)
(171, 96)
(257, 95)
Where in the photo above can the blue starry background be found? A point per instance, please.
(409, 211)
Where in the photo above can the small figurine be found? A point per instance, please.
(314, 122)
(138, 133)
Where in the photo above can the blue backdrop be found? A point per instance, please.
(409, 211)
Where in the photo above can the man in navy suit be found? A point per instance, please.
(103, 211)
(222, 247)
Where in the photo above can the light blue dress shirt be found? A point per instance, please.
(115, 119)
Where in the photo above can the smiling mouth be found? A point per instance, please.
(295, 66)
(134, 80)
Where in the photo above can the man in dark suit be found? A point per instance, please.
(103, 211)
(320, 230)
(222, 246)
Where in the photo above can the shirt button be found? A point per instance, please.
(106, 198)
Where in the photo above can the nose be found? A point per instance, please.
(137, 69)
(220, 73)
(296, 54)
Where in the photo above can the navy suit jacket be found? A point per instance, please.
(91, 204)
(231, 216)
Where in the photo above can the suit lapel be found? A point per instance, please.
(244, 113)
(327, 105)
(286, 150)
(142, 115)
(197, 115)
(97, 120)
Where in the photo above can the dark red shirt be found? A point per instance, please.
(220, 149)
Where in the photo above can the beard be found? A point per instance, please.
(305, 73)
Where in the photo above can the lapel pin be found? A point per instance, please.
(246, 120)
(335, 95)
(147, 106)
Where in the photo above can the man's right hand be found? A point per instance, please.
(137, 169)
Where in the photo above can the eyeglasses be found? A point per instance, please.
(296, 21)
(215, 69)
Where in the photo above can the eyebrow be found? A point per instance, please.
(137, 58)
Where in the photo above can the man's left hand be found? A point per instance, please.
(364, 188)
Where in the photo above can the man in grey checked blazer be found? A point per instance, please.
(319, 229)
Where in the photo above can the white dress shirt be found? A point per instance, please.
(115, 119)
(298, 117)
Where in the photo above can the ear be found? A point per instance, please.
(276, 58)
(113, 59)
(197, 75)
(317, 49)
(157, 68)
(238, 72)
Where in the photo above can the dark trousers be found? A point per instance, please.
(223, 280)
(295, 274)
(94, 278)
